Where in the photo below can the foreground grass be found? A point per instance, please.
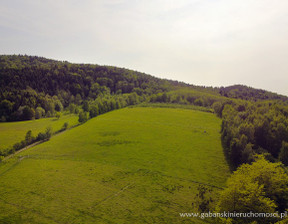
(135, 165)
(13, 132)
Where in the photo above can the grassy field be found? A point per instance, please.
(175, 105)
(13, 132)
(134, 165)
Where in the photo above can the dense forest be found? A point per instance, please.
(253, 121)
(36, 87)
(251, 128)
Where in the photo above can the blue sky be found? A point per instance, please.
(202, 42)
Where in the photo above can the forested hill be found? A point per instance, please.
(52, 77)
(19, 72)
(30, 82)
(249, 93)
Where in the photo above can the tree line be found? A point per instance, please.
(28, 140)
(104, 104)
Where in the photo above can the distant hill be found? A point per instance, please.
(249, 93)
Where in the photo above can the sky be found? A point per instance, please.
(201, 42)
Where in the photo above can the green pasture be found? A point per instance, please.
(13, 132)
(175, 105)
(134, 165)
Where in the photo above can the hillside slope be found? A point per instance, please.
(134, 165)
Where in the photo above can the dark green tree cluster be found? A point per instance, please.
(249, 93)
(106, 103)
(249, 128)
(28, 104)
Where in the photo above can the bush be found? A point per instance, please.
(48, 132)
(261, 186)
(83, 117)
(58, 115)
(58, 106)
(46, 135)
(17, 146)
(203, 200)
(65, 126)
(39, 113)
(29, 138)
(94, 111)
(72, 108)
(28, 113)
(48, 114)
(40, 136)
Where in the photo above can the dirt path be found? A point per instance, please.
(35, 143)
(26, 147)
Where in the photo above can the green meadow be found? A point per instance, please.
(134, 165)
(13, 132)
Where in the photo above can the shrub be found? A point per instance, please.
(65, 126)
(83, 117)
(58, 115)
(48, 132)
(46, 135)
(39, 113)
(261, 186)
(29, 138)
